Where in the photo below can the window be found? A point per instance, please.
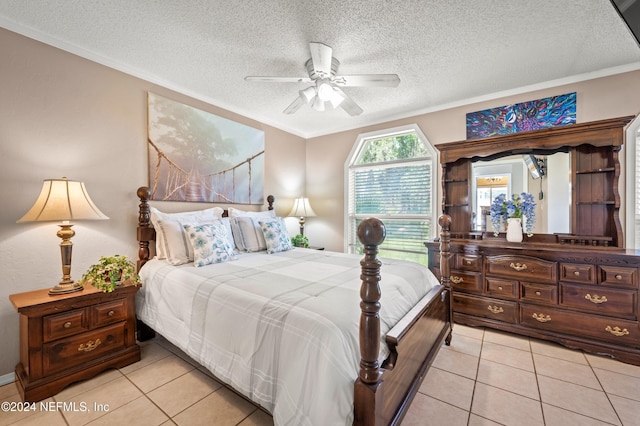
(391, 175)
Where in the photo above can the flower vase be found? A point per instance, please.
(514, 230)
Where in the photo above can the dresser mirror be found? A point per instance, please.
(511, 175)
(580, 197)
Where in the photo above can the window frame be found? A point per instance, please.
(355, 153)
(631, 201)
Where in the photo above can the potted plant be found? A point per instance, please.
(110, 272)
(300, 241)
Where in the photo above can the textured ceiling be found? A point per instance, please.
(446, 53)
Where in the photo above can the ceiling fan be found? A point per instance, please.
(326, 90)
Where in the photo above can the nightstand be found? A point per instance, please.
(71, 337)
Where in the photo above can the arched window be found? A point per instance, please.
(391, 175)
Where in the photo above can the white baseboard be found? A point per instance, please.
(7, 378)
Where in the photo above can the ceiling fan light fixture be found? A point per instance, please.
(324, 90)
(307, 94)
(318, 104)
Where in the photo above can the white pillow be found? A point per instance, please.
(233, 213)
(171, 238)
(275, 235)
(251, 237)
(239, 237)
(210, 243)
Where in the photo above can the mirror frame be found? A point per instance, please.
(588, 143)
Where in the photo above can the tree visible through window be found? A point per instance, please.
(390, 176)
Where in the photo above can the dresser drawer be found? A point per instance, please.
(615, 330)
(64, 324)
(607, 301)
(545, 293)
(578, 273)
(618, 276)
(466, 281)
(108, 313)
(501, 288)
(468, 262)
(485, 307)
(75, 350)
(521, 268)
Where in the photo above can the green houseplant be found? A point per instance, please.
(300, 241)
(110, 272)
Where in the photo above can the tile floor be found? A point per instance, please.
(484, 378)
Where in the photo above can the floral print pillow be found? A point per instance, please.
(276, 235)
(210, 243)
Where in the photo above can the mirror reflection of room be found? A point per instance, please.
(512, 175)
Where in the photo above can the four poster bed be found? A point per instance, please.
(283, 328)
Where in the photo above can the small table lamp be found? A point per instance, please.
(62, 200)
(302, 208)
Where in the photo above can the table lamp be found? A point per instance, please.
(301, 209)
(63, 200)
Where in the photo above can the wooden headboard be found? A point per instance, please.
(146, 233)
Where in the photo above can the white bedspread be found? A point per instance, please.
(280, 328)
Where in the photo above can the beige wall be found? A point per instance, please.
(326, 155)
(61, 115)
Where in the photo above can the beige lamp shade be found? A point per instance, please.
(61, 200)
(302, 208)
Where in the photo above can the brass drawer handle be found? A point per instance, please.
(541, 317)
(616, 331)
(576, 273)
(67, 324)
(618, 277)
(595, 298)
(89, 346)
(468, 262)
(496, 309)
(538, 293)
(110, 313)
(500, 287)
(518, 266)
(456, 280)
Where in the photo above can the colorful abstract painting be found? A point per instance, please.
(198, 156)
(523, 117)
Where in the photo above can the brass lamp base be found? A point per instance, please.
(63, 288)
(66, 284)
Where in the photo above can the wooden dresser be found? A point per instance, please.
(71, 337)
(580, 296)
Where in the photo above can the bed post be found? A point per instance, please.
(445, 266)
(368, 386)
(144, 226)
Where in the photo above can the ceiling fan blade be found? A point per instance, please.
(279, 79)
(380, 80)
(348, 104)
(295, 105)
(321, 55)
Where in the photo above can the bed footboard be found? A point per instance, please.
(382, 394)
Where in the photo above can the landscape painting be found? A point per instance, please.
(523, 117)
(198, 156)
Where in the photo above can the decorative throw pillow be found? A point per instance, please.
(210, 244)
(172, 237)
(276, 235)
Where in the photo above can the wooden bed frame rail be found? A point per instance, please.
(382, 393)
